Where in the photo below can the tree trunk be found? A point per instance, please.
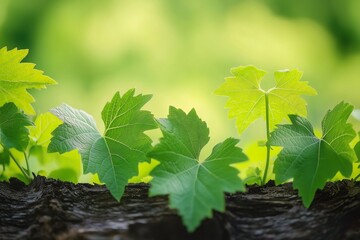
(50, 209)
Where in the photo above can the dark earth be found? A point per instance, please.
(51, 209)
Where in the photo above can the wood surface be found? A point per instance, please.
(51, 209)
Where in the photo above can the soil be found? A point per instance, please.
(51, 209)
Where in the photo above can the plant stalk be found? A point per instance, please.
(357, 177)
(27, 164)
(268, 147)
(20, 167)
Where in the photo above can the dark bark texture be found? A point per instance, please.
(50, 209)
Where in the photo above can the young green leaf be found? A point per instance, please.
(44, 125)
(311, 161)
(195, 187)
(114, 156)
(13, 131)
(17, 77)
(248, 100)
(40, 136)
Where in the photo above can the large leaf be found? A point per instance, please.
(195, 187)
(311, 161)
(13, 131)
(114, 156)
(16, 77)
(247, 98)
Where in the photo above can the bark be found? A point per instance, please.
(50, 209)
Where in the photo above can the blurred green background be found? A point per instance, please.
(180, 51)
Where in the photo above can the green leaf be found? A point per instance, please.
(247, 98)
(78, 131)
(114, 156)
(13, 131)
(253, 176)
(311, 161)
(195, 187)
(16, 77)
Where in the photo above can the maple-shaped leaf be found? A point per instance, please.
(116, 154)
(309, 160)
(196, 188)
(248, 100)
(13, 131)
(16, 77)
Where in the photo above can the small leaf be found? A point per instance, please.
(311, 161)
(114, 156)
(13, 131)
(253, 176)
(247, 98)
(196, 188)
(44, 125)
(41, 160)
(16, 77)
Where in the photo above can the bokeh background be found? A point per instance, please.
(180, 51)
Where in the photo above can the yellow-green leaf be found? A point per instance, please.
(248, 100)
(16, 77)
(45, 124)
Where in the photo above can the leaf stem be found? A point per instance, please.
(27, 164)
(356, 178)
(268, 147)
(20, 167)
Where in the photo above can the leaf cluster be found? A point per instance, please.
(195, 186)
(308, 160)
